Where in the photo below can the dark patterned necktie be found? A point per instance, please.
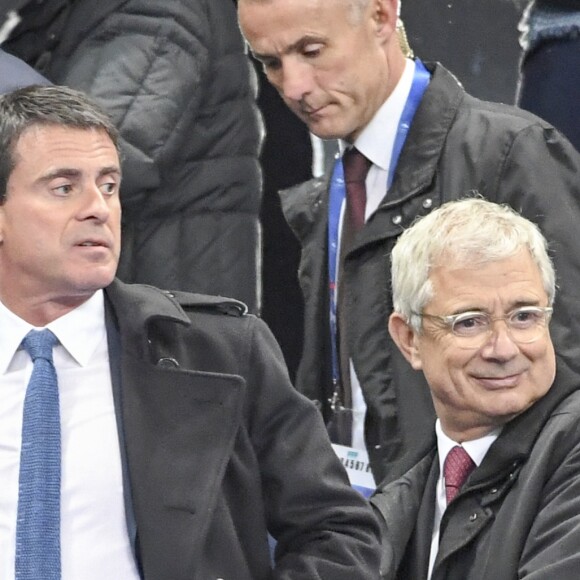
(458, 465)
(38, 523)
(356, 167)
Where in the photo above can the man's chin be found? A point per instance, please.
(323, 130)
(327, 130)
(96, 281)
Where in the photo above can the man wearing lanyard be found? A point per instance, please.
(344, 68)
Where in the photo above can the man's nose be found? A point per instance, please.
(500, 344)
(296, 80)
(95, 204)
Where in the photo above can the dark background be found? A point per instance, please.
(476, 39)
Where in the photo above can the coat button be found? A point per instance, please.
(397, 220)
(472, 517)
(167, 362)
(428, 203)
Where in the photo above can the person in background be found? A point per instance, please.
(549, 83)
(177, 442)
(498, 493)
(175, 78)
(412, 139)
(15, 74)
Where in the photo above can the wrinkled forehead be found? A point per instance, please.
(289, 11)
(476, 256)
(46, 135)
(513, 280)
(280, 27)
(45, 151)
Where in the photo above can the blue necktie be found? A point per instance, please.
(38, 523)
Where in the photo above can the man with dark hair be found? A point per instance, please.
(175, 442)
(413, 139)
(176, 80)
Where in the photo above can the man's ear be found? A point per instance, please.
(385, 17)
(406, 339)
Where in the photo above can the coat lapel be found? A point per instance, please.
(180, 429)
(178, 426)
(417, 561)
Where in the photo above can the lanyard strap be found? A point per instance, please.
(337, 196)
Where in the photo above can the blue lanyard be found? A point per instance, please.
(338, 193)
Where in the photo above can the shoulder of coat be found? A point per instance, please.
(208, 303)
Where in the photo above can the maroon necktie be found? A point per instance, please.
(356, 166)
(458, 465)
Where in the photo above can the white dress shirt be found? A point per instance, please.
(94, 539)
(477, 450)
(376, 142)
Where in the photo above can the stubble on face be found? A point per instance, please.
(60, 224)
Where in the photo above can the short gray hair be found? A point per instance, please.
(38, 105)
(357, 9)
(469, 231)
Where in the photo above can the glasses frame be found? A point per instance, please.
(450, 320)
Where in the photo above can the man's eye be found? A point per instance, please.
(523, 318)
(62, 189)
(470, 323)
(109, 188)
(271, 64)
(312, 50)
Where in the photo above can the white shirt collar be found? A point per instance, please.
(377, 138)
(476, 449)
(78, 331)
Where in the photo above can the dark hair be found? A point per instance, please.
(38, 105)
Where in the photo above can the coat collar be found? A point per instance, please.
(415, 172)
(431, 124)
(510, 449)
(178, 428)
(136, 306)
(518, 437)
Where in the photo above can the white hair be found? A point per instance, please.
(466, 232)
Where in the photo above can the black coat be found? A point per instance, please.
(517, 515)
(175, 78)
(220, 449)
(457, 145)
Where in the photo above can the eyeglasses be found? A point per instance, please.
(472, 329)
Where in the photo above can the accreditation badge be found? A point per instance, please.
(358, 468)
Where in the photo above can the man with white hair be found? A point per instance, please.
(419, 140)
(498, 493)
